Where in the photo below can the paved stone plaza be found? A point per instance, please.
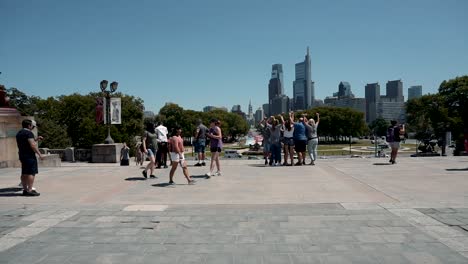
(342, 210)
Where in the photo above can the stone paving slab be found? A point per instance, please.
(339, 211)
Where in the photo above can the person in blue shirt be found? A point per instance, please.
(300, 139)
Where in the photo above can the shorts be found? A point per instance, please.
(266, 146)
(300, 145)
(29, 166)
(150, 153)
(394, 145)
(175, 157)
(215, 149)
(199, 146)
(288, 141)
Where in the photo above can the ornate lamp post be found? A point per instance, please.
(107, 94)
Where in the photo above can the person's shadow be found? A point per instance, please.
(460, 169)
(382, 163)
(11, 191)
(135, 179)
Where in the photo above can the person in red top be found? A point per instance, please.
(177, 157)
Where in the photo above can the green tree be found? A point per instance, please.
(379, 126)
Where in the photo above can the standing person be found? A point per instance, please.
(161, 154)
(288, 140)
(312, 138)
(125, 155)
(300, 139)
(27, 150)
(149, 146)
(275, 147)
(393, 138)
(266, 139)
(177, 156)
(216, 145)
(200, 142)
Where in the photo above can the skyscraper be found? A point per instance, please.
(275, 87)
(372, 94)
(344, 90)
(414, 92)
(395, 90)
(303, 95)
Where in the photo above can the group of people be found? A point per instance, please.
(156, 145)
(290, 136)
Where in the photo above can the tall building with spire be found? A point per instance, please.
(303, 92)
(275, 87)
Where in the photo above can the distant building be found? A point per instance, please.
(358, 104)
(275, 86)
(372, 95)
(391, 109)
(303, 92)
(211, 108)
(414, 92)
(250, 116)
(236, 108)
(280, 104)
(395, 90)
(344, 90)
(266, 109)
(259, 115)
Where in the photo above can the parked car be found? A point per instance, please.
(232, 153)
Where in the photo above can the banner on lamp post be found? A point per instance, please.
(104, 110)
(115, 111)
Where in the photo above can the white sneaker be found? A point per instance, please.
(209, 174)
(21, 185)
(218, 173)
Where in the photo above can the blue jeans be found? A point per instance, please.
(276, 152)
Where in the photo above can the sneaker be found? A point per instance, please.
(191, 182)
(203, 164)
(145, 174)
(165, 166)
(153, 177)
(266, 161)
(303, 163)
(171, 183)
(209, 174)
(31, 193)
(198, 165)
(218, 173)
(393, 162)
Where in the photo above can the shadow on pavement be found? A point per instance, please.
(199, 176)
(259, 165)
(461, 169)
(382, 163)
(135, 179)
(11, 191)
(162, 184)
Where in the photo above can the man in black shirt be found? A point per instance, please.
(27, 150)
(199, 143)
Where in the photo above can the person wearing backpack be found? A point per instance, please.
(393, 138)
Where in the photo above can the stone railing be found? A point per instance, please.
(69, 154)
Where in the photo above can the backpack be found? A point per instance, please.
(393, 134)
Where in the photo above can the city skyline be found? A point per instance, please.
(190, 52)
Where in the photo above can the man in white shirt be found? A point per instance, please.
(161, 154)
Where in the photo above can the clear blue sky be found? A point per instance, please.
(216, 52)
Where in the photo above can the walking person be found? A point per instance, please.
(161, 153)
(27, 150)
(177, 157)
(216, 145)
(393, 138)
(312, 138)
(300, 139)
(288, 141)
(149, 146)
(200, 142)
(125, 155)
